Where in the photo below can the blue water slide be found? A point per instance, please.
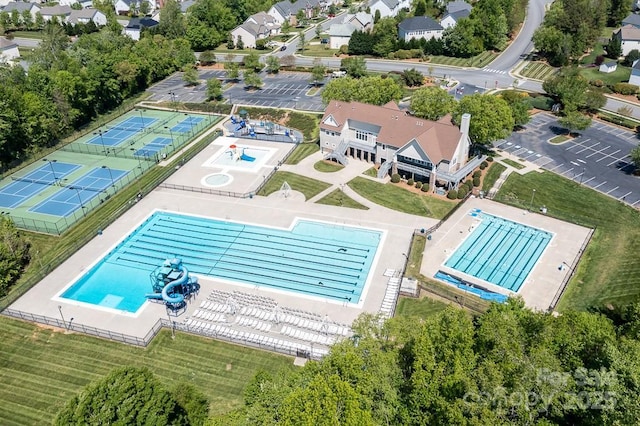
(240, 126)
(246, 157)
(177, 298)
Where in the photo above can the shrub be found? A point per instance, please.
(344, 49)
(476, 181)
(482, 167)
(484, 163)
(395, 178)
(489, 159)
(477, 173)
(597, 83)
(452, 195)
(462, 192)
(410, 182)
(599, 60)
(425, 188)
(625, 88)
(541, 102)
(418, 184)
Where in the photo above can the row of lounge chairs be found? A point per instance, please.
(390, 297)
(253, 323)
(306, 336)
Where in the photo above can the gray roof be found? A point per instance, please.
(19, 6)
(632, 19)
(341, 30)
(458, 15)
(286, 8)
(391, 4)
(419, 23)
(362, 17)
(83, 13)
(458, 5)
(186, 5)
(610, 64)
(139, 23)
(6, 44)
(55, 10)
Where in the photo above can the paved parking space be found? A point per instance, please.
(598, 158)
(284, 90)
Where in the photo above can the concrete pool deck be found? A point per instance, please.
(544, 280)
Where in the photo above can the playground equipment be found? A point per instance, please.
(172, 283)
(252, 128)
(237, 156)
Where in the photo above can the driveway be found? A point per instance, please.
(598, 158)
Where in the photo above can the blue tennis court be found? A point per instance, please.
(153, 147)
(33, 183)
(79, 192)
(122, 131)
(186, 125)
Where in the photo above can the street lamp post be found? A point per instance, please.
(533, 194)
(190, 125)
(62, 316)
(79, 199)
(582, 175)
(55, 179)
(170, 133)
(141, 118)
(104, 148)
(113, 182)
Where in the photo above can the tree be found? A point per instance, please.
(569, 87)
(190, 76)
(553, 44)
(288, 61)
(361, 43)
(318, 31)
(128, 395)
(376, 16)
(491, 117)
(420, 8)
(412, 77)
(172, 23)
(14, 248)
(194, 402)
(27, 19)
(39, 20)
(233, 72)
(214, 89)
(230, 44)
(385, 34)
(371, 90)
(207, 57)
(239, 43)
(614, 48)
(302, 41)
(573, 120)
(252, 80)
(317, 73)
(273, 64)
(286, 28)
(519, 105)
(460, 41)
(355, 67)
(431, 103)
(252, 62)
(594, 100)
(631, 57)
(635, 156)
(145, 8)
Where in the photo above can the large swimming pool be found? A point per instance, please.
(311, 258)
(500, 251)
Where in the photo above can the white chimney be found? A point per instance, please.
(464, 124)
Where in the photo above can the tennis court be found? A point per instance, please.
(80, 192)
(187, 124)
(121, 132)
(33, 183)
(155, 146)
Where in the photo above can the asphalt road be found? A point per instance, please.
(598, 158)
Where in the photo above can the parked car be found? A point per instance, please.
(283, 48)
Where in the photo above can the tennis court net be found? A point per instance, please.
(29, 180)
(136, 129)
(57, 182)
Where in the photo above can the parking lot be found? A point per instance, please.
(283, 90)
(599, 157)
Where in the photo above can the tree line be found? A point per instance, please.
(70, 84)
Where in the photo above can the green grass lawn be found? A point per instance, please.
(538, 71)
(620, 75)
(513, 163)
(373, 172)
(491, 175)
(559, 139)
(397, 198)
(423, 307)
(301, 152)
(28, 34)
(338, 198)
(327, 166)
(319, 50)
(598, 50)
(41, 368)
(309, 187)
(609, 271)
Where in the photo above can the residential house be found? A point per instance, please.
(340, 35)
(635, 73)
(629, 37)
(450, 19)
(458, 5)
(85, 16)
(419, 27)
(256, 27)
(123, 7)
(136, 25)
(286, 10)
(425, 150)
(62, 13)
(21, 7)
(608, 67)
(8, 50)
(388, 8)
(632, 19)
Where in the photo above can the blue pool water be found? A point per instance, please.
(312, 258)
(500, 251)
